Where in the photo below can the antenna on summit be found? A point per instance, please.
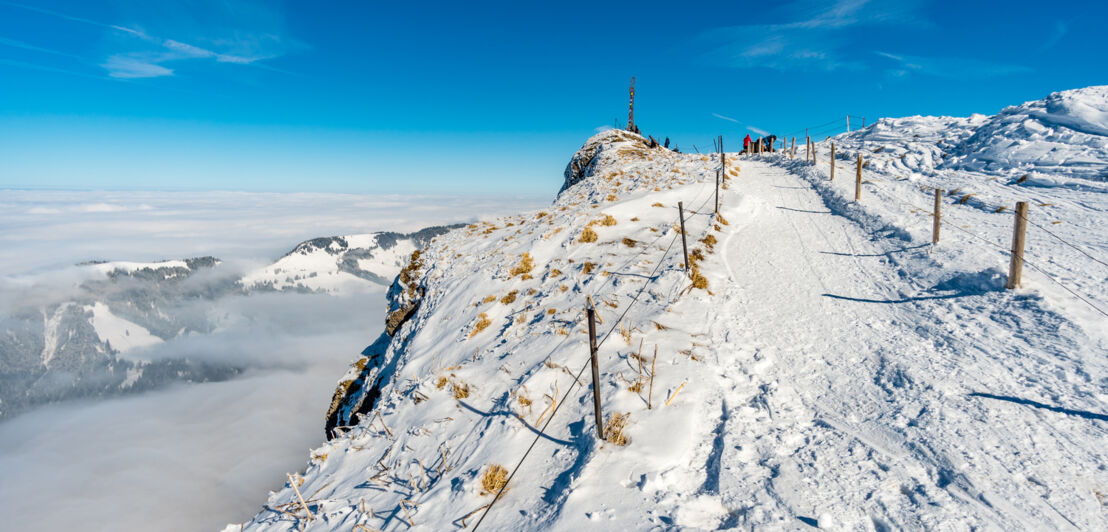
(631, 107)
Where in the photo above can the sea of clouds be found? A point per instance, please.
(192, 456)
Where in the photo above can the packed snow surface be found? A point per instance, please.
(830, 367)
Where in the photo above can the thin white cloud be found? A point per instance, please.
(727, 118)
(818, 39)
(243, 47)
(759, 131)
(127, 67)
(1059, 31)
(25, 46)
(949, 67)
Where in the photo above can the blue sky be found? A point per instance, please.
(482, 97)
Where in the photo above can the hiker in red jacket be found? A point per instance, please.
(746, 143)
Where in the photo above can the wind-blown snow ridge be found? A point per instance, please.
(1064, 135)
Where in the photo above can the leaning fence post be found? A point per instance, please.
(807, 148)
(684, 246)
(595, 371)
(832, 161)
(938, 216)
(792, 153)
(814, 161)
(1019, 236)
(858, 180)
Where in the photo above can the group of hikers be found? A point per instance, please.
(761, 145)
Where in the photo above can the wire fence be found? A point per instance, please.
(916, 209)
(577, 378)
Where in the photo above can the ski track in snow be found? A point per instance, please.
(832, 381)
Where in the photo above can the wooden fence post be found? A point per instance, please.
(807, 148)
(938, 216)
(858, 181)
(814, 154)
(1019, 236)
(792, 153)
(684, 246)
(719, 175)
(595, 371)
(832, 161)
(722, 158)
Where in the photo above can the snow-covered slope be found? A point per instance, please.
(821, 365)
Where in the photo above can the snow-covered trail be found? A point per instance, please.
(853, 396)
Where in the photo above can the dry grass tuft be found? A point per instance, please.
(526, 264)
(629, 242)
(552, 311)
(1001, 208)
(611, 197)
(588, 268)
(483, 322)
(613, 429)
(555, 272)
(461, 391)
(608, 220)
(635, 219)
(440, 382)
(510, 297)
(625, 333)
(698, 280)
(489, 299)
(588, 235)
(657, 204)
(965, 198)
(494, 479)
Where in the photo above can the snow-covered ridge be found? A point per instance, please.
(165, 269)
(483, 323)
(341, 263)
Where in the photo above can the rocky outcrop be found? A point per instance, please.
(584, 162)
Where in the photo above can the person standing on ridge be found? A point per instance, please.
(746, 143)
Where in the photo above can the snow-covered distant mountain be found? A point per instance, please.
(340, 263)
(92, 342)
